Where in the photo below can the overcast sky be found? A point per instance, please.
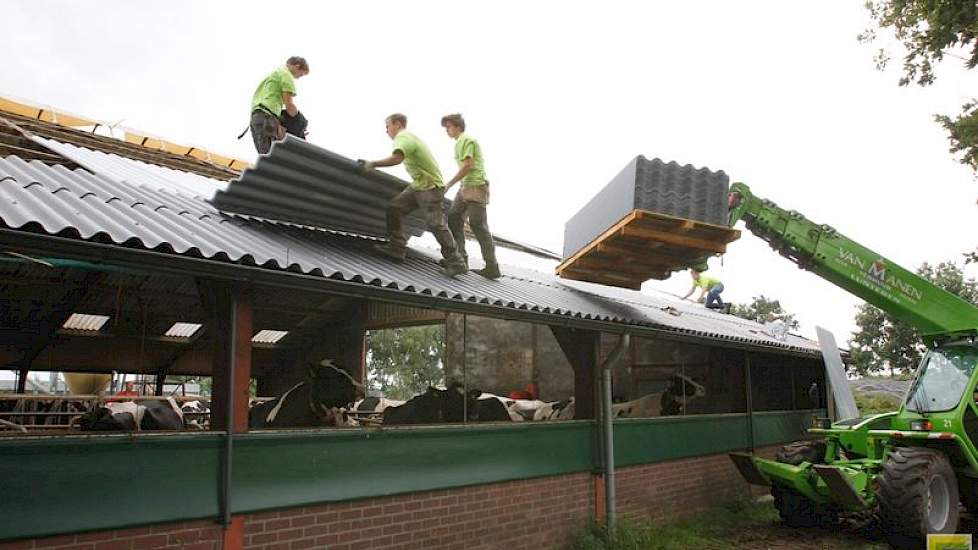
(561, 95)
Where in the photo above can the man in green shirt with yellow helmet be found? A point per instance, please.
(472, 197)
(427, 191)
(711, 287)
(273, 95)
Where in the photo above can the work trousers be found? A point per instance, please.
(265, 128)
(713, 300)
(430, 202)
(473, 211)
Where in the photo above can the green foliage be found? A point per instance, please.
(403, 362)
(873, 403)
(882, 342)
(962, 132)
(759, 308)
(927, 30)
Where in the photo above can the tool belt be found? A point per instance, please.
(474, 193)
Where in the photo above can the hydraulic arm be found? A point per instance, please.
(936, 313)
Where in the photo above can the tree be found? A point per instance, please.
(927, 29)
(403, 362)
(882, 342)
(758, 309)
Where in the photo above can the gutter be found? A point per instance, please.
(607, 426)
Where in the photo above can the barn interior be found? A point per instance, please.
(77, 317)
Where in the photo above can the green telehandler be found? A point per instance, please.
(913, 466)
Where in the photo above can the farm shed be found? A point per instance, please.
(103, 227)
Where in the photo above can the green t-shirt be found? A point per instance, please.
(705, 281)
(269, 92)
(420, 165)
(466, 147)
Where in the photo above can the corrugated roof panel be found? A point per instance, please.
(85, 322)
(58, 200)
(267, 336)
(182, 330)
(137, 173)
(301, 183)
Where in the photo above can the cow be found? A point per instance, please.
(196, 413)
(138, 415)
(375, 404)
(671, 402)
(452, 404)
(316, 401)
(436, 406)
(488, 407)
(555, 410)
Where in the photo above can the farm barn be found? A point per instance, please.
(133, 237)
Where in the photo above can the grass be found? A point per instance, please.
(704, 531)
(740, 524)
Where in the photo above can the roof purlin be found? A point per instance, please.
(140, 259)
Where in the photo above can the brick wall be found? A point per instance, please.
(678, 489)
(533, 514)
(536, 514)
(190, 535)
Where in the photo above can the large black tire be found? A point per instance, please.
(968, 493)
(796, 510)
(918, 494)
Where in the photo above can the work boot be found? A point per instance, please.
(491, 271)
(444, 263)
(454, 269)
(726, 307)
(396, 254)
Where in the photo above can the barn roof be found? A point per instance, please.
(134, 205)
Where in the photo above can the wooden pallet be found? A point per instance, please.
(644, 245)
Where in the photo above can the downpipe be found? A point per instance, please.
(229, 417)
(607, 427)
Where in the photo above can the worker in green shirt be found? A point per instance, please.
(272, 96)
(710, 286)
(427, 191)
(472, 197)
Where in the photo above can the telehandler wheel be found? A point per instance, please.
(796, 510)
(968, 492)
(918, 494)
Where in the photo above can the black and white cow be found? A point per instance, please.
(434, 406)
(375, 404)
(316, 401)
(196, 414)
(671, 402)
(555, 410)
(489, 407)
(137, 415)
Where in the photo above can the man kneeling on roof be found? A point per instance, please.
(272, 99)
(473, 196)
(427, 191)
(711, 287)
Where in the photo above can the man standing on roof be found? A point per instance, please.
(710, 286)
(472, 197)
(272, 96)
(427, 191)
